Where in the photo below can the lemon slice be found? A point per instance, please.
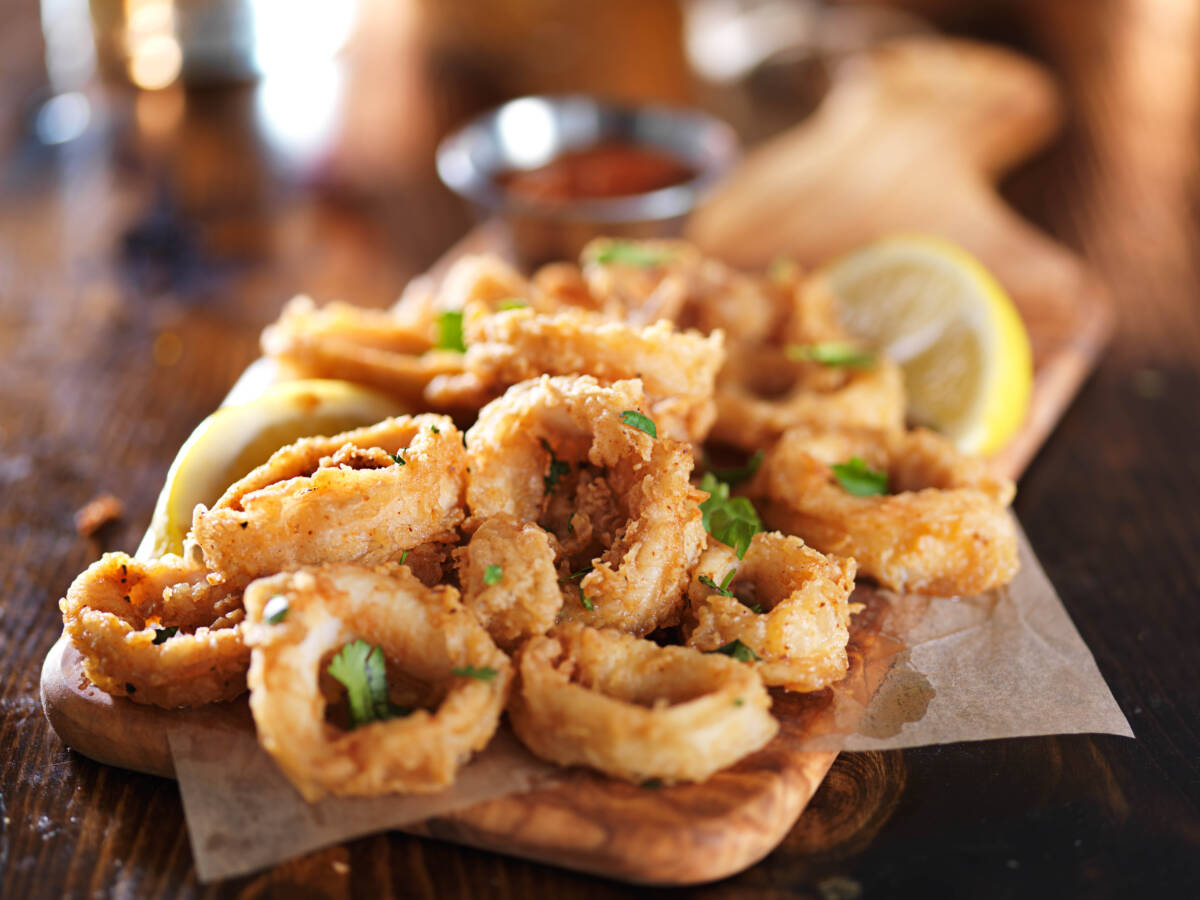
(235, 439)
(934, 309)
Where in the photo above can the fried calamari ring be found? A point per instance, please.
(509, 581)
(426, 636)
(673, 280)
(677, 369)
(366, 346)
(761, 393)
(944, 531)
(788, 605)
(619, 503)
(363, 496)
(156, 632)
(635, 710)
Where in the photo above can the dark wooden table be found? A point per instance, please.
(139, 262)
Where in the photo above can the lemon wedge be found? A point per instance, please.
(934, 309)
(234, 439)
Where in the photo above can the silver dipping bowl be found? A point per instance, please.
(531, 131)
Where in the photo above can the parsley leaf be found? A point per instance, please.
(737, 650)
(832, 353)
(481, 673)
(731, 520)
(860, 480)
(362, 671)
(435, 429)
(755, 607)
(723, 587)
(450, 331)
(275, 610)
(577, 576)
(398, 458)
(510, 303)
(492, 575)
(162, 635)
(635, 419)
(557, 469)
(403, 557)
(740, 473)
(631, 253)
(587, 601)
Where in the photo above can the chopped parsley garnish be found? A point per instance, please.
(510, 303)
(731, 520)
(754, 607)
(492, 575)
(737, 650)
(482, 673)
(723, 587)
(630, 253)
(276, 609)
(398, 458)
(403, 557)
(738, 701)
(450, 331)
(860, 480)
(740, 473)
(587, 601)
(162, 635)
(362, 671)
(832, 353)
(557, 469)
(577, 576)
(435, 429)
(635, 419)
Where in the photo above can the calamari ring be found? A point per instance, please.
(363, 496)
(625, 505)
(115, 613)
(685, 287)
(425, 634)
(635, 710)
(944, 532)
(801, 628)
(366, 346)
(678, 369)
(508, 579)
(761, 393)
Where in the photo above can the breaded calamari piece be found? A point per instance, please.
(944, 531)
(787, 602)
(156, 632)
(429, 642)
(626, 520)
(508, 579)
(363, 496)
(635, 710)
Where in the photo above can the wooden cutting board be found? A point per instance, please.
(909, 137)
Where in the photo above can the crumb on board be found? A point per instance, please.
(97, 513)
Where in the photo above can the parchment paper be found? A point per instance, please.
(1004, 664)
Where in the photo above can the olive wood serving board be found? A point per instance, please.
(909, 136)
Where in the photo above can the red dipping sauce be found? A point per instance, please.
(603, 171)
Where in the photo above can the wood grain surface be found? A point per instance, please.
(137, 266)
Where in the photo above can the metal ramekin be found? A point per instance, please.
(530, 131)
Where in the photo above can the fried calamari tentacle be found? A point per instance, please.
(508, 579)
(362, 496)
(943, 532)
(156, 631)
(784, 601)
(677, 369)
(447, 682)
(635, 710)
(560, 452)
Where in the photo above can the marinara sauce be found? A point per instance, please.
(605, 170)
